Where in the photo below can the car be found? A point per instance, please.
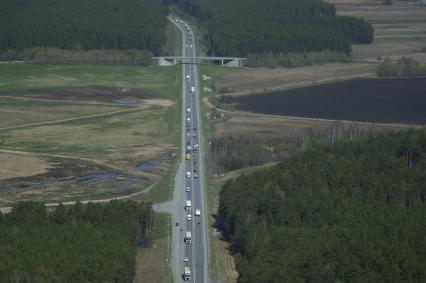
(194, 135)
(188, 189)
(185, 259)
(188, 156)
(188, 120)
(189, 217)
(197, 212)
(188, 174)
(177, 224)
(187, 77)
(190, 46)
(188, 110)
(194, 128)
(195, 175)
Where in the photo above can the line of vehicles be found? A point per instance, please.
(191, 158)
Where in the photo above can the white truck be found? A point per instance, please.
(187, 274)
(188, 237)
(197, 212)
(188, 205)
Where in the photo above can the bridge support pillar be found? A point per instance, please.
(235, 63)
(221, 61)
(164, 62)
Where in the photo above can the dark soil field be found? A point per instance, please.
(365, 100)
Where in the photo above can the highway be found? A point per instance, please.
(189, 177)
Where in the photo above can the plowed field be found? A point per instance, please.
(366, 100)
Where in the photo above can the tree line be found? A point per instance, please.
(403, 67)
(90, 243)
(240, 27)
(354, 211)
(83, 24)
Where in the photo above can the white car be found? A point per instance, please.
(188, 110)
(188, 189)
(185, 259)
(197, 212)
(190, 46)
(188, 120)
(187, 77)
(188, 174)
(189, 217)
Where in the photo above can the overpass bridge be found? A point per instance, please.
(224, 61)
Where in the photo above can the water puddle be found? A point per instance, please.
(122, 181)
(127, 101)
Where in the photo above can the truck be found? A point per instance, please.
(195, 148)
(188, 237)
(197, 212)
(187, 274)
(188, 205)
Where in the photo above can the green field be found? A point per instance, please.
(22, 77)
(69, 110)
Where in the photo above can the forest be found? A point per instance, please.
(79, 243)
(354, 211)
(240, 27)
(83, 24)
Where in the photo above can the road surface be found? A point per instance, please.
(196, 251)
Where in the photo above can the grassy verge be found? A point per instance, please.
(221, 263)
(152, 264)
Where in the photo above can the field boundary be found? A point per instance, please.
(245, 113)
(36, 124)
(297, 84)
(87, 102)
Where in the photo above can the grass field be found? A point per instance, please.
(22, 77)
(71, 111)
(399, 29)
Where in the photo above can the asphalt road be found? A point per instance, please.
(196, 251)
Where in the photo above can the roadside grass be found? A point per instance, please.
(173, 46)
(163, 190)
(221, 263)
(152, 264)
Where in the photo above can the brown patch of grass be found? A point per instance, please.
(399, 29)
(254, 79)
(149, 264)
(12, 166)
(158, 102)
